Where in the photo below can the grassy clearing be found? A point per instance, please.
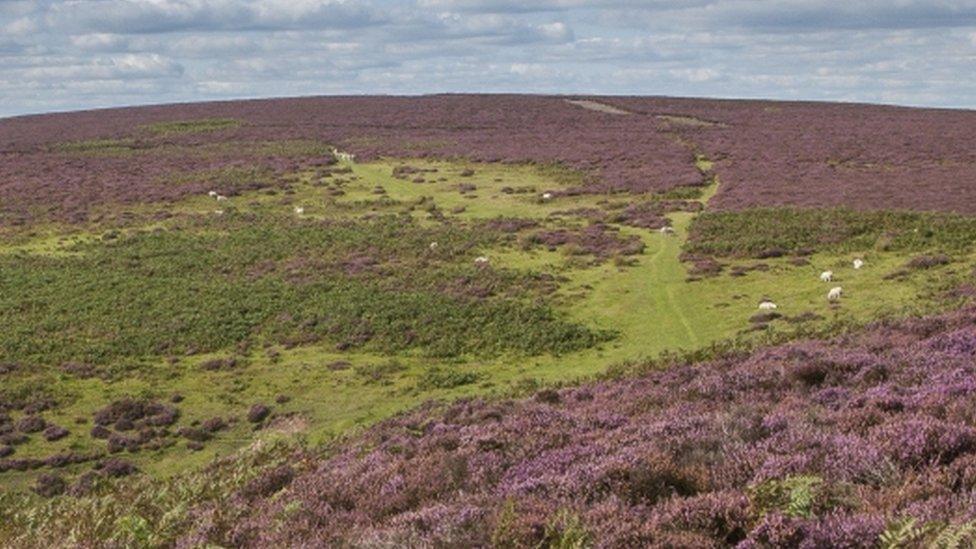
(346, 313)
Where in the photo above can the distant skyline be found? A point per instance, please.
(60, 55)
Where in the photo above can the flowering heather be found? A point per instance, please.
(599, 240)
(810, 444)
(826, 155)
(61, 166)
(804, 154)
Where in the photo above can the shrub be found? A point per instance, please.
(48, 485)
(55, 432)
(31, 424)
(440, 378)
(258, 413)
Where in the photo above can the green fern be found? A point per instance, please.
(796, 496)
(900, 533)
(956, 536)
(566, 531)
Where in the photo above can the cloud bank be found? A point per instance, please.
(70, 54)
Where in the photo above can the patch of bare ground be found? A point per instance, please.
(289, 425)
(596, 106)
(688, 121)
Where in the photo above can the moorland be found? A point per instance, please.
(487, 320)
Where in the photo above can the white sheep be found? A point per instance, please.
(834, 293)
(299, 210)
(547, 196)
(342, 156)
(482, 260)
(667, 229)
(766, 305)
(433, 246)
(826, 276)
(212, 194)
(218, 212)
(221, 198)
(858, 263)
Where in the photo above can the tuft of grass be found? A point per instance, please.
(96, 146)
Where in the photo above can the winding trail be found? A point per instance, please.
(651, 303)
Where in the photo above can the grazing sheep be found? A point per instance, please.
(220, 198)
(834, 293)
(858, 263)
(342, 156)
(667, 229)
(299, 210)
(212, 194)
(482, 260)
(766, 305)
(547, 196)
(826, 276)
(433, 246)
(219, 212)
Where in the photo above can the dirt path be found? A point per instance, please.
(597, 106)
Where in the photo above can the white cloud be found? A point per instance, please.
(100, 42)
(20, 27)
(126, 66)
(695, 75)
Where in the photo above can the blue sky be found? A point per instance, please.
(72, 54)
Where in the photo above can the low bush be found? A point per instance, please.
(761, 232)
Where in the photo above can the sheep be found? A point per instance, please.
(858, 263)
(547, 196)
(299, 210)
(834, 293)
(766, 305)
(342, 156)
(220, 198)
(482, 260)
(433, 246)
(212, 194)
(667, 229)
(826, 276)
(218, 212)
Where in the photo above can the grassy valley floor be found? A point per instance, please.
(288, 337)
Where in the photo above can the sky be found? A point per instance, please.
(75, 54)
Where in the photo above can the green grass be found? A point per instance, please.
(148, 304)
(191, 126)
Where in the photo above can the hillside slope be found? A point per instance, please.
(810, 444)
(769, 153)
